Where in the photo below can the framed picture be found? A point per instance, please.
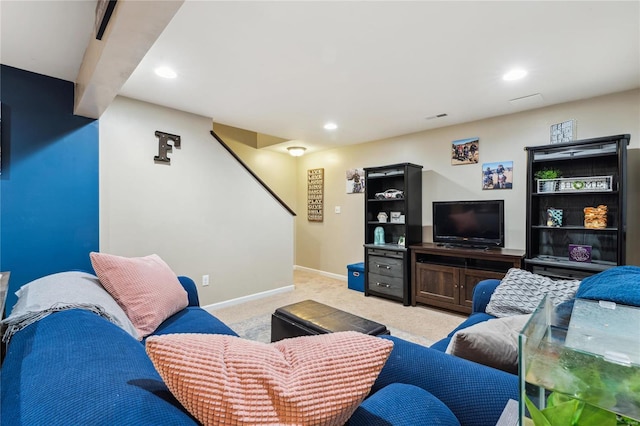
(563, 132)
(355, 181)
(498, 175)
(465, 151)
(554, 217)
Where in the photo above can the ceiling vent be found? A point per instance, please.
(433, 117)
(527, 100)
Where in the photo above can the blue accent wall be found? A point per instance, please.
(49, 181)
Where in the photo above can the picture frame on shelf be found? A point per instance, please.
(396, 217)
(554, 217)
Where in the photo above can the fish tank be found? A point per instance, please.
(580, 364)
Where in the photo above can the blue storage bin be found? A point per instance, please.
(356, 276)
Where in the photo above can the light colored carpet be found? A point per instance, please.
(418, 324)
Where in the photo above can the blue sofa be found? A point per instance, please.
(481, 295)
(76, 368)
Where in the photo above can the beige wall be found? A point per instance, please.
(203, 213)
(331, 245)
(277, 170)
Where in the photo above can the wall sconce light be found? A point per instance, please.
(296, 151)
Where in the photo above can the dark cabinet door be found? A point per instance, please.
(437, 284)
(468, 280)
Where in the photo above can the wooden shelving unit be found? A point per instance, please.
(387, 272)
(593, 174)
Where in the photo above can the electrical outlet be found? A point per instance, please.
(205, 280)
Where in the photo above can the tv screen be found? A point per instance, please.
(469, 223)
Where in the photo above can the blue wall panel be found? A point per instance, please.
(49, 182)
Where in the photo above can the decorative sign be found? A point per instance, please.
(163, 146)
(579, 253)
(315, 195)
(586, 184)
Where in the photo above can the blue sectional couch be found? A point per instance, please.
(76, 368)
(481, 295)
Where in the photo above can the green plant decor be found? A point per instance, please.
(548, 173)
(562, 410)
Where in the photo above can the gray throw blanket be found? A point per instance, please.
(16, 323)
(63, 291)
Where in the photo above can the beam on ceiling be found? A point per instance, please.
(108, 63)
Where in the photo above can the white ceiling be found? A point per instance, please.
(377, 69)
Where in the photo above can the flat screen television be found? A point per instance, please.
(478, 224)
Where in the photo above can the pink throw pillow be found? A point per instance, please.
(145, 287)
(226, 380)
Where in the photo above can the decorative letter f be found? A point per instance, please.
(164, 147)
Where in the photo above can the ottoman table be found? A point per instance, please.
(310, 317)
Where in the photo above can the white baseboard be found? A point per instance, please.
(267, 293)
(326, 274)
(243, 299)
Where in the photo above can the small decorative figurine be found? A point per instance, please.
(378, 236)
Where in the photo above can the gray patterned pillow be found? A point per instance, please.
(520, 292)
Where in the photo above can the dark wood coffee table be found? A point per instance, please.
(310, 317)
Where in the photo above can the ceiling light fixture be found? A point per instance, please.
(330, 126)
(165, 72)
(515, 74)
(296, 151)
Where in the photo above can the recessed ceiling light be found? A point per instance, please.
(165, 72)
(330, 126)
(515, 74)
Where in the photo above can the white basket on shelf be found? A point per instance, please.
(547, 185)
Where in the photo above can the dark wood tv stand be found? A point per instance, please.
(444, 276)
